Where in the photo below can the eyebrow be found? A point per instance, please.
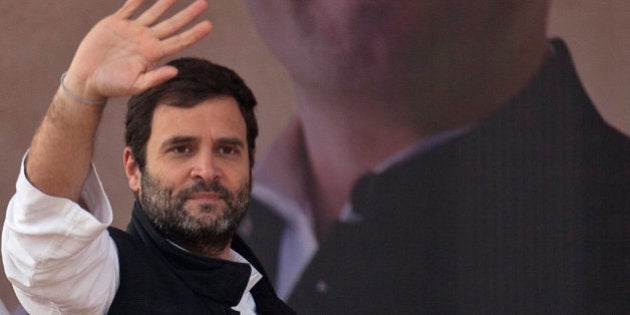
(231, 141)
(176, 140)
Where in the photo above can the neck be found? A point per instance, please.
(347, 133)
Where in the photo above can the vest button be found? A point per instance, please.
(321, 286)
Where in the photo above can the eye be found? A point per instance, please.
(180, 149)
(228, 150)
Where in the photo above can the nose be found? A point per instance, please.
(205, 168)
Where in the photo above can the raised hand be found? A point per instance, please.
(118, 56)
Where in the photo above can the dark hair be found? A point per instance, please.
(197, 80)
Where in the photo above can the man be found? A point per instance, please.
(445, 160)
(190, 136)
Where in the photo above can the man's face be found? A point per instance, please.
(348, 44)
(196, 183)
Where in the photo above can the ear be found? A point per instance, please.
(132, 170)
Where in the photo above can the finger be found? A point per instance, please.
(153, 78)
(128, 9)
(183, 40)
(154, 12)
(178, 21)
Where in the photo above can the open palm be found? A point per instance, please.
(118, 56)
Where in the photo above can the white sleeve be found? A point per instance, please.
(58, 256)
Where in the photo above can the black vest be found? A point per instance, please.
(158, 278)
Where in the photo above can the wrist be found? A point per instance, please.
(74, 94)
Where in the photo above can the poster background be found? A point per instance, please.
(37, 39)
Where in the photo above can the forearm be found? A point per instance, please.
(61, 150)
(56, 255)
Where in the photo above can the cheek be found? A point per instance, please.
(236, 177)
(174, 177)
(178, 174)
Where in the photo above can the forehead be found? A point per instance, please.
(216, 117)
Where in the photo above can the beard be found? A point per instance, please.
(178, 223)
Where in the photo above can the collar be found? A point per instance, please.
(220, 280)
(281, 177)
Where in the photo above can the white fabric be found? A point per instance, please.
(298, 242)
(59, 257)
(247, 304)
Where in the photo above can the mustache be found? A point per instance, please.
(213, 187)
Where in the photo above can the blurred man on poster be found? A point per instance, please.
(445, 159)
